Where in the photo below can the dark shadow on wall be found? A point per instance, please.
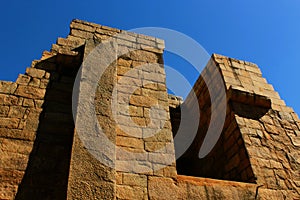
(229, 159)
(46, 176)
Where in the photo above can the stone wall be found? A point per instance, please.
(44, 157)
(21, 106)
(271, 136)
(228, 160)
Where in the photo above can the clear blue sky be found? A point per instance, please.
(261, 31)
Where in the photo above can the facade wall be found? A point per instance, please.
(43, 156)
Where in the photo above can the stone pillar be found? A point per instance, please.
(131, 104)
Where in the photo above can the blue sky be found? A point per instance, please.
(264, 32)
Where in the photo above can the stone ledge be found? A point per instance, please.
(85, 30)
(240, 95)
(208, 181)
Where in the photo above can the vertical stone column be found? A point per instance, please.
(131, 104)
(90, 177)
(145, 149)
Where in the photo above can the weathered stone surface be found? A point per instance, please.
(8, 191)
(28, 103)
(81, 34)
(35, 73)
(259, 143)
(9, 123)
(7, 87)
(16, 146)
(130, 142)
(35, 82)
(14, 161)
(16, 112)
(142, 101)
(30, 92)
(23, 79)
(135, 180)
(17, 134)
(145, 56)
(127, 192)
(4, 111)
(82, 27)
(70, 42)
(159, 187)
(8, 99)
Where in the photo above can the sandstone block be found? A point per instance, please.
(127, 37)
(253, 68)
(127, 89)
(38, 103)
(82, 27)
(4, 111)
(135, 111)
(142, 101)
(274, 129)
(111, 29)
(7, 87)
(16, 146)
(13, 161)
(164, 135)
(9, 123)
(119, 178)
(155, 146)
(134, 131)
(131, 154)
(8, 99)
(170, 171)
(32, 121)
(127, 192)
(134, 180)
(70, 42)
(140, 55)
(35, 82)
(146, 37)
(136, 64)
(35, 73)
(81, 34)
(7, 190)
(124, 63)
(140, 121)
(270, 194)
(161, 95)
(151, 43)
(28, 102)
(16, 112)
(12, 177)
(30, 92)
(23, 79)
(158, 187)
(155, 77)
(121, 71)
(162, 158)
(17, 134)
(157, 49)
(47, 55)
(44, 83)
(130, 142)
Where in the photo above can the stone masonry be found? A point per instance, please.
(43, 155)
